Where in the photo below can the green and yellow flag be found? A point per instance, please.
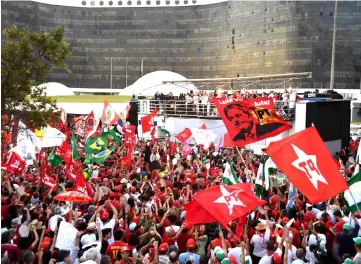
(74, 146)
(53, 159)
(100, 143)
(100, 157)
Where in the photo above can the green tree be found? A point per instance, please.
(27, 58)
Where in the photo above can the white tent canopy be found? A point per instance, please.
(152, 82)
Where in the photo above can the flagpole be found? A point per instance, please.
(353, 198)
(111, 75)
(126, 73)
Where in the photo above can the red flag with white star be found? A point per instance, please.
(306, 161)
(148, 121)
(222, 204)
(184, 135)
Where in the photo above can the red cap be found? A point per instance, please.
(285, 220)
(111, 194)
(276, 259)
(191, 243)
(104, 216)
(133, 189)
(124, 248)
(233, 259)
(163, 247)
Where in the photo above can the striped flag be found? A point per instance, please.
(352, 196)
(229, 175)
(266, 168)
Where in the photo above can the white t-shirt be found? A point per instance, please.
(268, 259)
(310, 256)
(259, 243)
(313, 240)
(110, 225)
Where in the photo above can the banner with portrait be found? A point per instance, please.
(263, 102)
(247, 123)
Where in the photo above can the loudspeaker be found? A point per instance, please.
(133, 115)
(331, 119)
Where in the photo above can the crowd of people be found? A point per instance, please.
(200, 103)
(137, 214)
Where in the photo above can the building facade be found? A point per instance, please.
(223, 39)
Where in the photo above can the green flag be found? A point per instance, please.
(87, 174)
(100, 157)
(352, 196)
(112, 135)
(265, 169)
(74, 146)
(229, 175)
(53, 159)
(100, 143)
(165, 131)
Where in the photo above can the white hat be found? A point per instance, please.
(91, 254)
(132, 226)
(308, 205)
(183, 214)
(24, 231)
(124, 180)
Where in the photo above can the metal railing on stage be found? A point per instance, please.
(180, 108)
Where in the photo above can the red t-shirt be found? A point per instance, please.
(273, 201)
(12, 252)
(309, 216)
(218, 242)
(114, 248)
(4, 209)
(182, 241)
(337, 228)
(295, 235)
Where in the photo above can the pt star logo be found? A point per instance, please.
(230, 199)
(308, 164)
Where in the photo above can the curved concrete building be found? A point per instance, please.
(198, 39)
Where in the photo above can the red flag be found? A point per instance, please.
(65, 152)
(127, 160)
(96, 131)
(127, 111)
(62, 123)
(152, 133)
(15, 164)
(184, 135)
(263, 102)
(241, 223)
(79, 125)
(228, 142)
(109, 116)
(147, 121)
(246, 123)
(203, 126)
(306, 161)
(129, 130)
(89, 124)
(47, 180)
(225, 203)
(83, 186)
(71, 170)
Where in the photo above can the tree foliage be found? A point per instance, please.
(27, 58)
